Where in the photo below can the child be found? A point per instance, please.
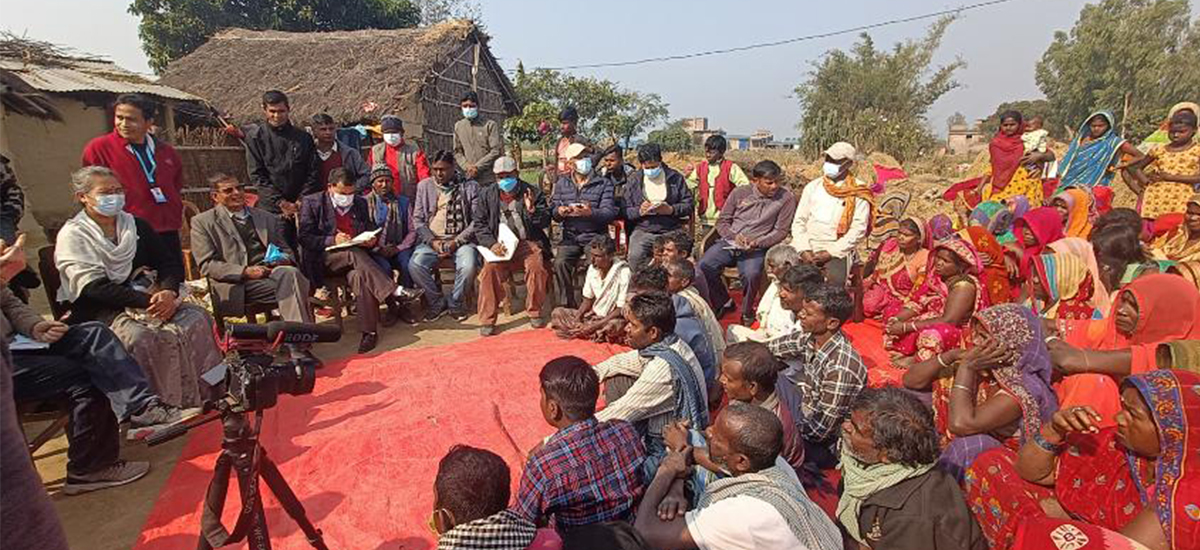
(1171, 172)
(1035, 140)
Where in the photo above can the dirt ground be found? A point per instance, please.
(112, 519)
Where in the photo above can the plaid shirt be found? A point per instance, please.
(829, 379)
(586, 473)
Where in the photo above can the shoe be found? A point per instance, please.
(392, 315)
(157, 416)
(118, 474)
(434, 315)
(748, 321)
(460, 315)
(487, 330)
(408, 294)
(368, 342)
(537, 322)
(727, 307)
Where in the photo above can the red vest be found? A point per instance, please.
(724, 186)
(345, 222)
(327, 166)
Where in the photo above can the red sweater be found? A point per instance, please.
(110, 150)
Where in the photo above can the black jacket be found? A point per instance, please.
(283, 164)
(488, 216)
(103, 299)
(680, 198)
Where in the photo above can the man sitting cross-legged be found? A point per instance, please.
(605, 292)
(589, 471)
(754, 218)
(522, 208)
(773, 319)
(668, 385)
(760, 506)
(230, 242)
(825, 367)
(894, 497)
(470, 500)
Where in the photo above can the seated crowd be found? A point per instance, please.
(1046, 344)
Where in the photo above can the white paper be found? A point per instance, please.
(505, 237)
(20, 342)
(357, 240)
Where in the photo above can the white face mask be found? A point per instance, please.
(342, 201)
(393, 139)
(831, 169)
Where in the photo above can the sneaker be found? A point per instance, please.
(408, 294)
(487, 330)
(368, 342)
(434, 315)
(537, 322)
(156, 416)
(460, 315)
(113, 476)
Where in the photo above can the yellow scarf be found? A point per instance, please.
(848, 192)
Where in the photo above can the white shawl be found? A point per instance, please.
(84, 254)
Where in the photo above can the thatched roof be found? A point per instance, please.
(351, 75)
(29, 69)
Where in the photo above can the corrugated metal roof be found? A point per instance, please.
(89, 76)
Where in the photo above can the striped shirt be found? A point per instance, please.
(652, 396)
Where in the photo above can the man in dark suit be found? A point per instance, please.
(333, 218)
(231, 242)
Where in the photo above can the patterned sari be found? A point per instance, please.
(895, 276)
(991, 254)
(1178, 244)
(1168, 309)
(1045, 224)
(1099, 481)
(929, 302)
(1080, 212)
(1025, 377)
(1087, 163)
(1082, 249)
(1070, 286)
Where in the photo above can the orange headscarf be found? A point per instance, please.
(1079, 215)
(848, 192)
(995, 273)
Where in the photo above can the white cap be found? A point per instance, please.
(574, 149)
(840, 151)
(504, 164)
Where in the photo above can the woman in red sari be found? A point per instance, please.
(897, 268)
(1094, 356)
(933, 319)
(1141, 478)
(1034, 232)
(995, 273)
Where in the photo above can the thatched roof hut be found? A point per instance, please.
(354, 76)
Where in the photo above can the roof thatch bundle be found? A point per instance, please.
(351, 75)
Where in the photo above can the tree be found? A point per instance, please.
(674, 137)
(1028, 110)
(1123, 50)
(171, 29)
(435, 11)
(876, 99)
(605, 109)
(957, 119)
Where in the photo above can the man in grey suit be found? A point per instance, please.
(230, 243)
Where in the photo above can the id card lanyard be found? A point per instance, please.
(150, 169)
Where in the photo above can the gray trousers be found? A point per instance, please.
(285, 287)
(368, 283)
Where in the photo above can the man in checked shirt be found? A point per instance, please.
(825, 367)
(589, 471)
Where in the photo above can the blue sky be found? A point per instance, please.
(739, 92)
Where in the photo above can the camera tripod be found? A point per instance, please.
(242, 454)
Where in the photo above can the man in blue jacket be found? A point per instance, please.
(657, 201)
(582, 202)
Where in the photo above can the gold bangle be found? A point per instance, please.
(940, 362)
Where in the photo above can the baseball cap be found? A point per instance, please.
(840, 151)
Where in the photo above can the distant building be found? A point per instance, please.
(963, 139)
(760, 138)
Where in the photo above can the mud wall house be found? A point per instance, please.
(53, 104)
(356, 77)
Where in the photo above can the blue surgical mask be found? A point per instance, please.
(831, 169)
(507, 184)
(584, 165)
(470, 112)
(653, 172)
(110, 205)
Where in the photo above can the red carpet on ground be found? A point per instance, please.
(362, 450)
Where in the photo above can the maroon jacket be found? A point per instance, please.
(112, 151)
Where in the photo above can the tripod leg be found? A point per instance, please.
(256, 534)
(214, 504)
(287, 499)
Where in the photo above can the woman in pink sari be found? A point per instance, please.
(934, 317)
(897, 268)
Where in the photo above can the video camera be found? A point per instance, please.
(252, 376)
